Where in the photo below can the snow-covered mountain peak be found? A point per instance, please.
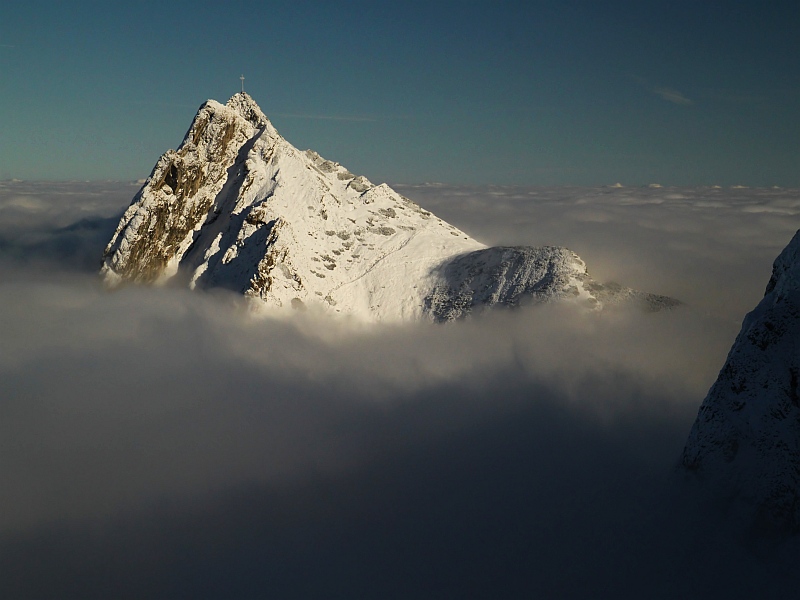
(237, 206)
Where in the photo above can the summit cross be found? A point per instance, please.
(242, 78)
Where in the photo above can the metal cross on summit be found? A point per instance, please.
(242, 78)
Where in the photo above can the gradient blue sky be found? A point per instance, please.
(569, 92)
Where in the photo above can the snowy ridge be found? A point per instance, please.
(746, 439)
(512, 276)
(238, 207)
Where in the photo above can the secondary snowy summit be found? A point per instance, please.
(239, 207)
(746, 439)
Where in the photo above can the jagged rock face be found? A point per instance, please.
(238, 207)
(159, 226)
(746, 439)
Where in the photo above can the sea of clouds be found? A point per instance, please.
(160, 443)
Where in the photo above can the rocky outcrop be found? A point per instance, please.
(159, 226)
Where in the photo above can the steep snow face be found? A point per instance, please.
(238, 207)
(746, 438)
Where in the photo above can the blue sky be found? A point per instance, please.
(540, 93)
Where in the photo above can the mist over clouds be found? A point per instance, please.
(162, 443)
(711, 247)
(59, 225)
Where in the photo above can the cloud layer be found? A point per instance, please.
(160, 443)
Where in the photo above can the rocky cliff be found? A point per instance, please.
(745, 442)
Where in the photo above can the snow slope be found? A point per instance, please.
(238, 207)
(746, 439)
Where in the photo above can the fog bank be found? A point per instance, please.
(161, 443)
